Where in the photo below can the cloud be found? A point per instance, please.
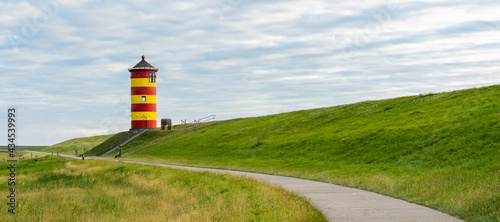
(233, 58)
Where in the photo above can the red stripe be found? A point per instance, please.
(144, 107)
(143, 124)
(143, 90)
(140, 73)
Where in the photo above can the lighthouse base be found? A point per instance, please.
(143, 124)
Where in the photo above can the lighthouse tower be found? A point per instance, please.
(143, 93)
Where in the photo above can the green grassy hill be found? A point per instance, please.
(69, 146)
(439, 150)
(109, 143)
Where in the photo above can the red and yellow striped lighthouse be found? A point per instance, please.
(143, 93)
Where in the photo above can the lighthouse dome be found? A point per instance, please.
(143, 64)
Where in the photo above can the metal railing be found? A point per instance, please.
(123, 142)
(206, 119)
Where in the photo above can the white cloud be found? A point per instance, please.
(247, 58)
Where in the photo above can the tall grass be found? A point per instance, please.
(59, 189)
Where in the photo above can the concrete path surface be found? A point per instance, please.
(336, 202)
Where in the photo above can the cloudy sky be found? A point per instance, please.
(64, 64)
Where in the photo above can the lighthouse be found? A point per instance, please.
(143, 95)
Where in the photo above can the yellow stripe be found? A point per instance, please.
(143, 115)
(137, 99)
(142, 82)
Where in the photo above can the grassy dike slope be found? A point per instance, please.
(60, 189)
(439, 150)
(69, 146)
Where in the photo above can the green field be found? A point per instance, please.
(54, 188)
(69, 147)
(19, 155)
(440, 150)
(109, 143)
(24, 147)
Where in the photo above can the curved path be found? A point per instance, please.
(336, 202)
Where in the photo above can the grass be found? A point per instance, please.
(60, 189)
(69, 146)
(19, 155)
(441, 150)
(24, 147)
(110, 142)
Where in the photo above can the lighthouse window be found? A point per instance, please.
(144, 99)
(152, 77)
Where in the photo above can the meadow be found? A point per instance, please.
(54, 188)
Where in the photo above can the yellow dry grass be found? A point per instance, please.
(58, 189)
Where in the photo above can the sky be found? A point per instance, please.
(64, 64)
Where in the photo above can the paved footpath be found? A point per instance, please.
(336, 202)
